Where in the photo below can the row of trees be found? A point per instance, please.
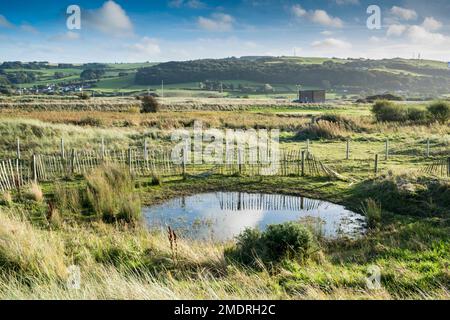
(273, 70)
(221, 86)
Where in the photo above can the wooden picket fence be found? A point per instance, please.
(439, 167)
(16, 173)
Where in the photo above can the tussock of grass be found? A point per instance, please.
(372, 210)
(34, 193)
(110, 194)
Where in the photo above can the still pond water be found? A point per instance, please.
(222, 216)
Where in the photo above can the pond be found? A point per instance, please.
(222, 216)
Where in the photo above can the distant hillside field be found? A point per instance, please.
(353, 75)
(247, 77)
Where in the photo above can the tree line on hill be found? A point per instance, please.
(354, 75)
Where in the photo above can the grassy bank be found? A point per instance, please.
(119, 261)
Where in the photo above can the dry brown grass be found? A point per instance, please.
(166, 120)
(34, 192)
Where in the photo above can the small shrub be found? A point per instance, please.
(84, 96)
(283, 241)
(90, 121)
(288, 240)
(418, 115)
(34, 193)
(440, 111)
(372, 211)
(150, 105)
(387, 111)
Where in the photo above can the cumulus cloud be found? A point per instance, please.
(4, 22)
(217, 22)
(403, 13)
(396, 30)
(331, 43)
(323, 18)
(111, 18)
(420, 35)
(298, 11)
(317, 16)
(431, 24)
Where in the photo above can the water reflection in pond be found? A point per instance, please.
(223, 215)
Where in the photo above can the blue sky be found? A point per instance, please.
(163, 30)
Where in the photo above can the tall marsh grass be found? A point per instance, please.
(112, 196)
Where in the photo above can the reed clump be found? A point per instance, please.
(111, 195)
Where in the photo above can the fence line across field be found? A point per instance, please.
(15, 173)
(147, 161)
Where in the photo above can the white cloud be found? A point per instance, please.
(4, 22)
(345, 2)
(147, 48)
(431, 24)
(402, 13)
(327, 33)
(298, 11)
(331, 43)
(193, 4)
(110, 19)
(317, 16)
(217, 22)
(323, 18)
(396, 30)
(67, 36)
(420, 35)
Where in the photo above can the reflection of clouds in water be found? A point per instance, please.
(226, 223)
(224, 215)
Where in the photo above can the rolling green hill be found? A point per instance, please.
(242, 76)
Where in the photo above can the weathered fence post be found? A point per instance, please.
(145, 150)
(386, 151)
(184, 157)
(307, 147)
(62, 148)
(428, 147)
(102, 149)
(35, 177)
(376, 164)
(303, 163)
(18, 148)
(130, 165)
(72, 161)
(240, 160)
(448, 167)
(347, 153)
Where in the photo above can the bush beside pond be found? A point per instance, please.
(282, 241)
